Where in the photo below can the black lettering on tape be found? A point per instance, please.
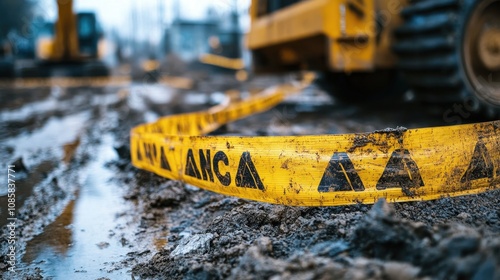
(226, 178)
(247, 176)
(205, 164)
(340, 175)
(150, 151)
(481, 165)
(191, 167)
(164, 162)
(138, 154)
(401, 172)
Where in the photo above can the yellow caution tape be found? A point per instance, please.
(221, 61)
(320, 170)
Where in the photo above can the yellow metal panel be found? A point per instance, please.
(298, 21)
(388, 18)
(66, 34)
(349, 26)
(353, 49)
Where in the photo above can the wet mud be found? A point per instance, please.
(85, 212)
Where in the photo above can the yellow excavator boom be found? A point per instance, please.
(66, 35)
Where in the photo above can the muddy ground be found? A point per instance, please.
(84, 212)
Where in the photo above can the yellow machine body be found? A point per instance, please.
(72, 46)
(63, 45)
(338, 35)
(66, 44)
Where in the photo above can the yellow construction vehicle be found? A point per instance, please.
(368, 50)
(73, 46)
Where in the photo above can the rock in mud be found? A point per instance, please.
(19, 168)
(446, 251)
(383, 235)
(197, 243)
(123, 151)
(169, 194)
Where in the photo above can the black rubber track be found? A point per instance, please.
(429, 47)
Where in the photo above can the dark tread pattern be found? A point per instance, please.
(426, 7)
(427, 47)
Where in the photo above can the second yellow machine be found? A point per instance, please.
(73, 46)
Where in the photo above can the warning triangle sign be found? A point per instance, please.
(481, 165)
(340, 175)
(247, 176)
(191, 167)
(164, 162)
(401, 172)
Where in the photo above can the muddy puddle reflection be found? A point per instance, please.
(82, 243)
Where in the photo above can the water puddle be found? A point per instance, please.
(141, 94)
(81, 243)
(60, 242)
(96, 235)
(49, 138)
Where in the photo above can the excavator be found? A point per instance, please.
(379, 50)
(70, 47)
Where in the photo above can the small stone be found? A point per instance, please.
(224, 240)
(463, 245)
(464, 216)
(197, 243)
(330, 249)
(123, 151)
(381, 210)
(102, 245)
(398, 270)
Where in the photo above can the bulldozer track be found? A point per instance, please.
(430, 47)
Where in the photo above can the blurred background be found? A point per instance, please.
(119, 38)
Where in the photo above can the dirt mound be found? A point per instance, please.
(247, 240)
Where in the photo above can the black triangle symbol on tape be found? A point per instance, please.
(481, 165)
(400, 172)
(247, 176)
(340, 175)
(191, 168)
(164, 162)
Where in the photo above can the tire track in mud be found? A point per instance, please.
(78, 214)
